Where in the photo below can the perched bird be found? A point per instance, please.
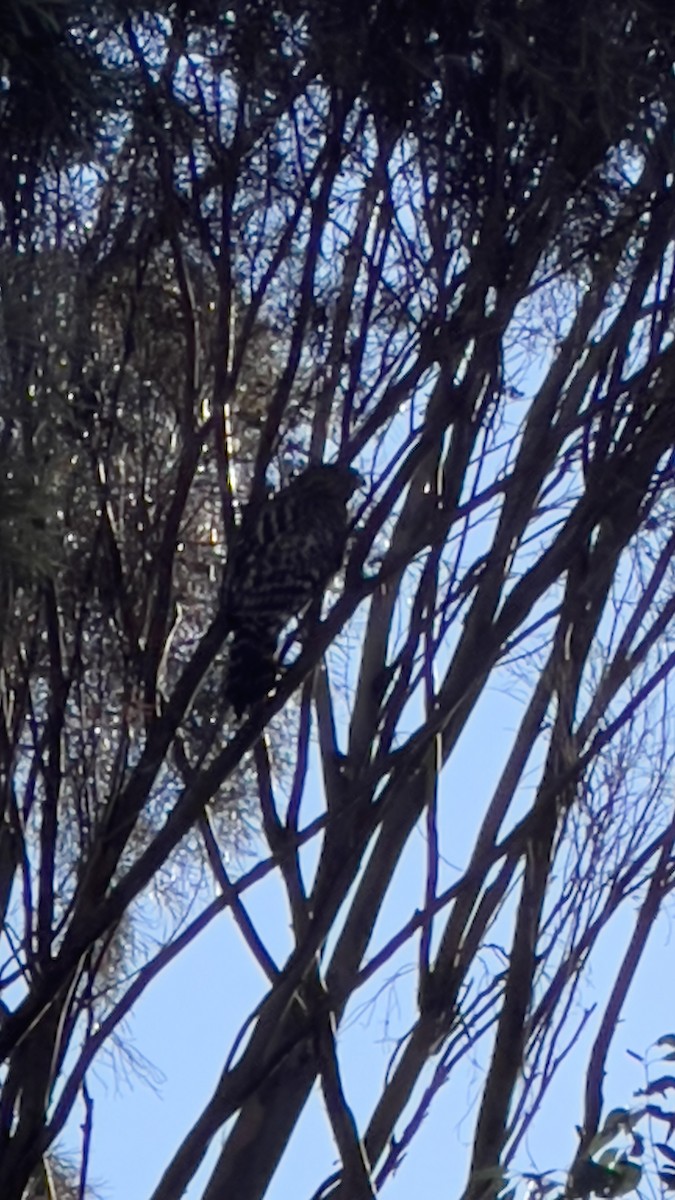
(281, 562)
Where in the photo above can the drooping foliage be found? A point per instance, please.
(434, 241)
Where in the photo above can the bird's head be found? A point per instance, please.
(341, 479)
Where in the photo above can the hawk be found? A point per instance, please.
(294, 547)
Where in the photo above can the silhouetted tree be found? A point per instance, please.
(435, 242)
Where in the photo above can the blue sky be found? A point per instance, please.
(185, 1023)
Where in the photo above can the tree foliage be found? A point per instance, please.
(435, 242)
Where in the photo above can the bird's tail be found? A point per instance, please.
(252, 670)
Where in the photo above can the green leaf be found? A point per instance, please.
(601, 1139)
(603, 1179)
(663, 1084)
(659, 1114)
(666, 1151)
(616, 1119)
(628, 1174)
(588, 1176)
